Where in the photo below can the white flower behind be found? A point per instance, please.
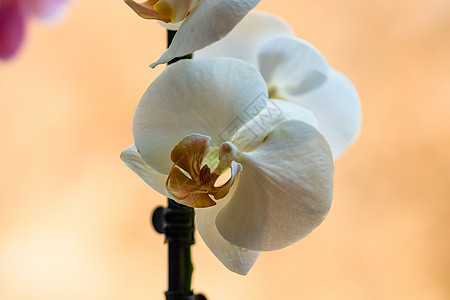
(203, 21)
(295, 71)
(202, 117)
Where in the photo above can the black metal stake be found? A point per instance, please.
(177, 223)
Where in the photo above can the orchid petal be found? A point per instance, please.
(253, 134)
(208, 22)
(145, 10)
(213, 97)
(337, 107)
(12, 28)
(176, 10)
(292, 66)
(134, 161)
(45, 9)
(254, 29)
(284, 191)
(223, 190)
(171, 26)
(236, 259)
(292, 111)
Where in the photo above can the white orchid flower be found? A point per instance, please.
(294, 70)
(202, 117)
(203, 21)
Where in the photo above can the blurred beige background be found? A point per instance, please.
(74, 218)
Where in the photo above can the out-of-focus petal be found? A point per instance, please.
(284, 191)
(291, 65)
(212, 97)
(145, 10)
(154, 179)
(45, 9)
(337, 107)
(236, 259)
(210, 21)
(245, 40)
(12, 28)
(171, 26)
(176, 10)
(252, 135)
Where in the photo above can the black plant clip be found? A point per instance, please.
(176, 222)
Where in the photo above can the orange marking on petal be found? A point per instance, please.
(198, 200)
(179, 185)
(190, 152)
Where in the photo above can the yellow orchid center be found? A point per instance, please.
(172, 11)
(191, 182)
(273, 92)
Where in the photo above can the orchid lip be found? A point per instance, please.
(191, 181)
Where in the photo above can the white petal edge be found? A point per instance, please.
(252, 135)
(171, 26)
(210, 21)
(157, 181)
(337, 107)
(292, 65)
(213, 97)
(284, 192)
(246, 39)
(234, 258)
